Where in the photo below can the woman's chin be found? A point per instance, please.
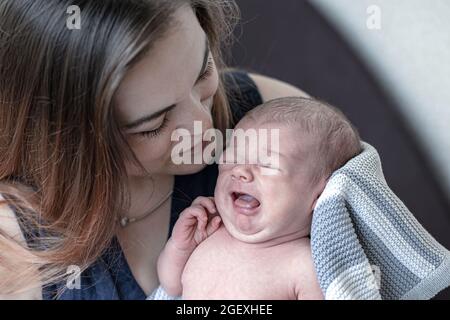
(185, 169)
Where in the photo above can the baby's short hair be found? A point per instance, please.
(337, 139)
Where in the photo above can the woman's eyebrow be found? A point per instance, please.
(148, 118)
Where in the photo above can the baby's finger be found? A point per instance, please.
(207, 202)
(199, 216)
(190, 216)
(201, 225)
(213, 225)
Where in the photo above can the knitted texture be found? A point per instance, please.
(367, 245)
(160, 294)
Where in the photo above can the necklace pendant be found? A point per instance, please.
(124, 222)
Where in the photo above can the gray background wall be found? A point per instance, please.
(409, 56)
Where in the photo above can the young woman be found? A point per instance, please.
(86, 117)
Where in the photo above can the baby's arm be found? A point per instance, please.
(194, 225)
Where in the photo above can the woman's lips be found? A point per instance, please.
(245, 203)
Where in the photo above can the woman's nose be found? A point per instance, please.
(241, 173)
(199, 108)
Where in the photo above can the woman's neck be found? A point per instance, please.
(145, 195)
(143, 240)
(146, 192)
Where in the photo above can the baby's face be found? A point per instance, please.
(260, 203)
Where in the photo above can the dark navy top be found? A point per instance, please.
(110, 277)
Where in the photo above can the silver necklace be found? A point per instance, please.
(125, 221)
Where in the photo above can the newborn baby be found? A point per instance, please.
(251, 240)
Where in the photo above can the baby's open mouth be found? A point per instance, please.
(244, 200)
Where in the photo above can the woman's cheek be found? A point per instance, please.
(151, 152)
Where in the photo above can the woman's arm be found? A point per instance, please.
(10, 227)
(271, 88)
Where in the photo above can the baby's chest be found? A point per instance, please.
(227, 275)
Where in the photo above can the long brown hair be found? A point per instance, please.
(61, 151)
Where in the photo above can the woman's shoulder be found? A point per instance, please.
(240, 83)
(271, 88)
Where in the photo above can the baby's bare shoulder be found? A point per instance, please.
(298, 254)
(302, 271)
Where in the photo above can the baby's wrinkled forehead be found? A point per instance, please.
(278, 136)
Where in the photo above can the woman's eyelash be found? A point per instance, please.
(208, 71)
(156, 132)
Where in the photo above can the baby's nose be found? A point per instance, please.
(241, 173)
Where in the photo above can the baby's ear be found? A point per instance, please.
(318, 189)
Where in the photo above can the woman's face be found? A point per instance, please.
(169, 89)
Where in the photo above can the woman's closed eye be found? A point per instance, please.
(155, 132)
(208, 70)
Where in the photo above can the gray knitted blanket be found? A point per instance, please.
(367, 245)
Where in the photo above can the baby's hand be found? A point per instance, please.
(195, 224)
